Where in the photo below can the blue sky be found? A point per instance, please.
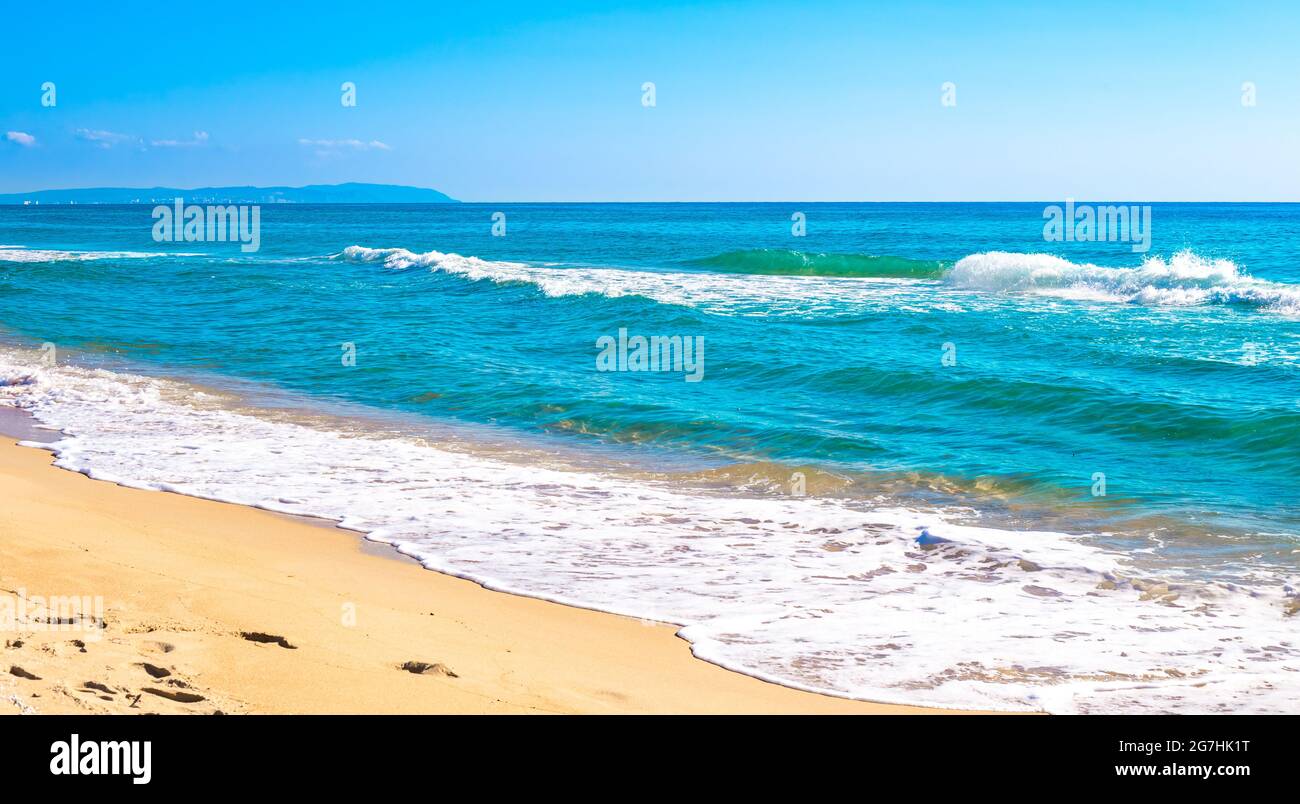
(754, 101)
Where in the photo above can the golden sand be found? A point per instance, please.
(214, 607)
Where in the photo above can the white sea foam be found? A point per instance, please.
(1182, 280)
(20, 254)
(1185, 279)
(721, 293)
(824, 594)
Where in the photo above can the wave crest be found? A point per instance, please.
(1184, 279)
(792, 282)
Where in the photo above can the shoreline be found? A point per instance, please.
(211, 606)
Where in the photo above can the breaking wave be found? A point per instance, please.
(1184, 279)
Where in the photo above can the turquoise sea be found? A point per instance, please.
(928, 456)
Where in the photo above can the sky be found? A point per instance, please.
(753, 101)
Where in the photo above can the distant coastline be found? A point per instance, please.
(349, 193)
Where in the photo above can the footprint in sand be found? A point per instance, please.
(174, 695)
(258, 636)
(106, 693)
(429, 669)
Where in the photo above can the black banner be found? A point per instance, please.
(962, 753)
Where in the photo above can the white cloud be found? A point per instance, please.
(20, 137)
(200, 138)
(110, 139)
(104, 139)
(333, 147)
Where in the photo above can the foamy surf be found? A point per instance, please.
(1185, 279)
(870, 600)
(39, 255)
(712, 292)
(792, 283)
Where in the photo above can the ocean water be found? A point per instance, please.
(926, 456)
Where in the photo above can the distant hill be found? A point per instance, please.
(351, 193)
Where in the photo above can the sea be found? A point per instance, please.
(904, 452)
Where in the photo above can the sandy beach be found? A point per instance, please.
(209, 607)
